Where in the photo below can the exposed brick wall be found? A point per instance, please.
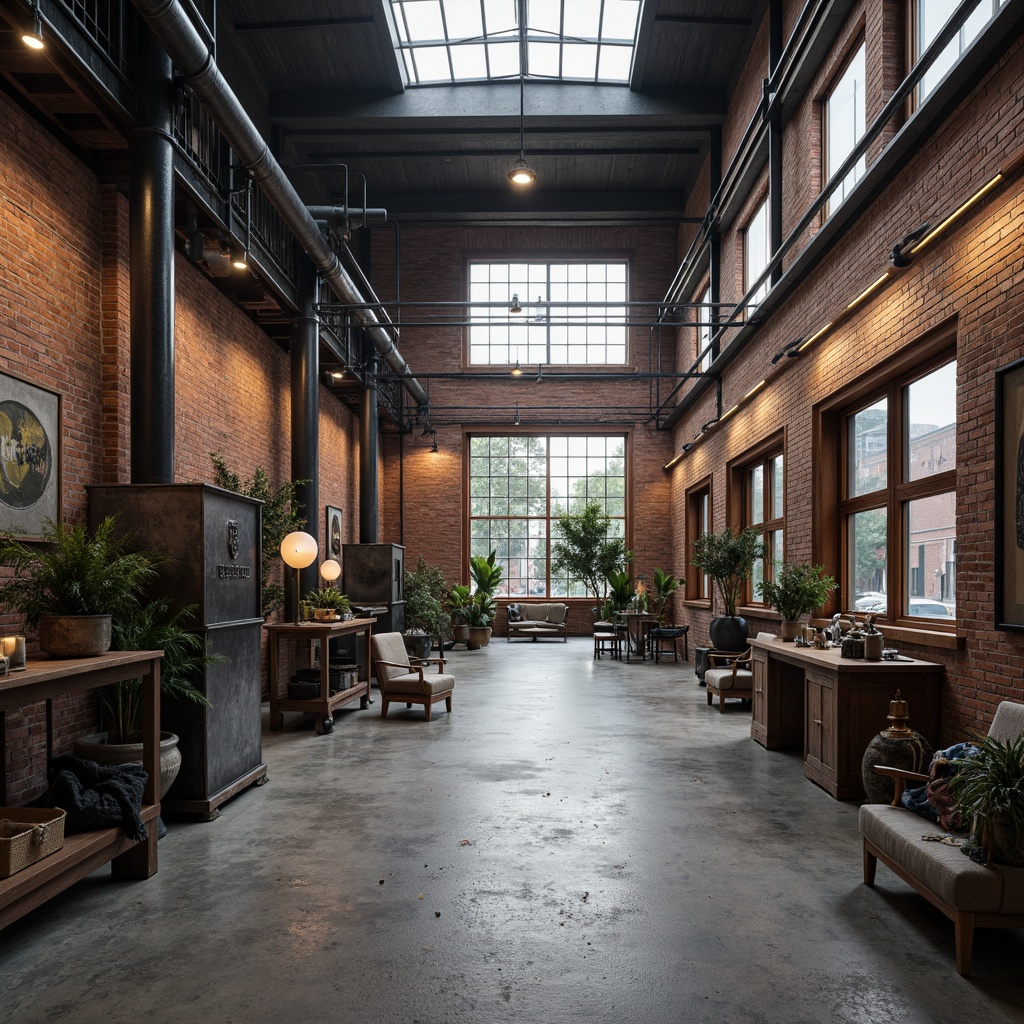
(970, 278)
(431, 485)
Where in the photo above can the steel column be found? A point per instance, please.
(368, 455)
(305, 393)
(151, 240)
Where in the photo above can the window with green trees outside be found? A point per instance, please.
(518, 487)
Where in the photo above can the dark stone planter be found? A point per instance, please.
(728, 633)
(418, 645)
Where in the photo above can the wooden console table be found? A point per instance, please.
(44, 679)
(832, 707)
(324, 705)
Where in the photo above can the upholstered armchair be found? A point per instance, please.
(730, 675)
(402, 680)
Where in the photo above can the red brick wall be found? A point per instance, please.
(64, 322)
(430, 486)
(971, 278)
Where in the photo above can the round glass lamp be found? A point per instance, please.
(298, 550)
(330, 570)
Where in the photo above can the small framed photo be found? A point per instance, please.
(30, 457)
(1009, 487)
(333, 533)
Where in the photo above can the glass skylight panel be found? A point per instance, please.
(581, 40)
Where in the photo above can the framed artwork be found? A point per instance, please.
(1009, 485)
(30, 434)
(333, 531)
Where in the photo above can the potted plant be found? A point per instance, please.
(480, 617)
(426, 616)
(328, 603)
(796, 590)
(989, 791)
(586, 553)
(665, 585)
(148, 627)
(458, 600)
(620, 590)
(486, 573)
(728, 558)
(74, 584)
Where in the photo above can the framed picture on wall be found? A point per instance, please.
(333, 533)
(1009, 486)
(30, 433)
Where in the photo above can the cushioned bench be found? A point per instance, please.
(971, 895)
(533, 620)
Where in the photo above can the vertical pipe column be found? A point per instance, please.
(304, 349)
(151, 241)
(368, 455)
(774, 134)
(715, 239)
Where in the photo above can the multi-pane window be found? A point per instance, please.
(757, 251)
(764, 508)
(703, 318)
(473, 40)
(569, 313)
(844, 125)
(899, 499)
(929, 16)
(698, 522)
(518, 487)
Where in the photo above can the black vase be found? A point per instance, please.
(728, 633)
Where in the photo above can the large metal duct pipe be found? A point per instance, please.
(195, 63)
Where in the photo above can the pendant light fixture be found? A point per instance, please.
(34, 39)
(522, 173)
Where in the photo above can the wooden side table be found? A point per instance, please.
(324, 705)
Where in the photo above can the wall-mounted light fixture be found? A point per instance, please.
(34, 39)
(514, 306)
(516, 421)
(433, 447)
(899, 256)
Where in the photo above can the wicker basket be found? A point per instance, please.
(28, 834)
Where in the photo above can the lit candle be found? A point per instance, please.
(7, 646)
(18, 658)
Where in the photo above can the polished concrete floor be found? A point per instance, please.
(577, 841)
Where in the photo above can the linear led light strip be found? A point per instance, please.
(934, 233)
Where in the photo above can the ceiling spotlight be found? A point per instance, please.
(34, 39)
(240, 261)
(522, 173)
(517, 370)
(337, 374)
(433, 435)
(517, 422)
(515, 307)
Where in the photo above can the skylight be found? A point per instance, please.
(444, 41)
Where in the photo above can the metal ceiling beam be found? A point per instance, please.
(488, 100)
(693, 19)
(300, 25)
(535, 151)
(192, 57)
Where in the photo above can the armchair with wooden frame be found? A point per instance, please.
(403, 681)
(729, 674)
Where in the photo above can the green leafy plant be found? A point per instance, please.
(620, 589)
(989, 791)
(279, 518)
(665, 585)
(728, 558)
(586, 552)
(458, 599)
(426, 596)
(75, 572)
(328, 597)
(152, 627)
(485, 572)
(797, 589)
(481, 609)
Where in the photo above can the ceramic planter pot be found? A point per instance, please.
(74, 636)
(96, 748)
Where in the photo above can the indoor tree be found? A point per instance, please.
(586, 552)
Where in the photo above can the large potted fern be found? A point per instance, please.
(74, 584)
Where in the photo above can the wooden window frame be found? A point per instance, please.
(830, 544)
(738, 500)
(696, 496)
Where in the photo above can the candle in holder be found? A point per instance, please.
(7, 646)
(18, 657)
